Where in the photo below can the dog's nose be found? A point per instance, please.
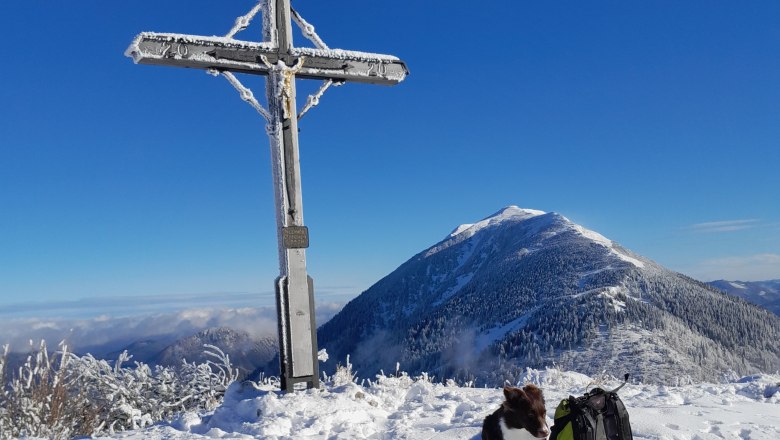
(543, 433)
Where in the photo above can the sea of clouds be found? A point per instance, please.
(102, 325)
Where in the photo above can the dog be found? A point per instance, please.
(522, 416)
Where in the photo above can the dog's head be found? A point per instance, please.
(524, 409)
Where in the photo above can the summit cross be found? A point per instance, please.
(282, 63)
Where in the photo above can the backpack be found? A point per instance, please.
(598, 415)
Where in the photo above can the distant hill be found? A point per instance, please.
(525, 288)
(763, 293)
(145, 350)
(245, 352)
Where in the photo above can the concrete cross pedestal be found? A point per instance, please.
(282, 63)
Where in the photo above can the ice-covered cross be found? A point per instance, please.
(281, 62)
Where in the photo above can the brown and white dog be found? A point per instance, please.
(522, 416)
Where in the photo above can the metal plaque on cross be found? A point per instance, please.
(277, 59)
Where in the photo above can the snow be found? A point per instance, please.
(153, 47)
(511, 212)
(342, 54)
(514, 213)
(213, 40)
(737, 285)
(607, 243)
(229, 42)
(461, 228)
(611, 294)
(415, 409)
(497, 333)
(243, 21)
(593, 235)
(308, 30)
(461, 281)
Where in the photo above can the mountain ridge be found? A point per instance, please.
(246, 352)
(762, 293)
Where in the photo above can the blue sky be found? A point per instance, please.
(656, 124)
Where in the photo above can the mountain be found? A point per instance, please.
(526, 288)
(763, 293)
(145, 350)
(245, 352)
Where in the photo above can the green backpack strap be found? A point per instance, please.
(565, 415)
(562, 429)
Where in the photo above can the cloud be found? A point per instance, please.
(757, 267)
(115, 306)
(132, 305)
(724, 226)
(105, 333)
(104, 324)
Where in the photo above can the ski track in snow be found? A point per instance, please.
(403, 408)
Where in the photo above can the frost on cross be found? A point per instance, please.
(282, 63)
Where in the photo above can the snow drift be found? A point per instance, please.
(417, 408)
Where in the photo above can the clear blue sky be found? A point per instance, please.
(655, 123)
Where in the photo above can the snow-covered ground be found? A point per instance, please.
(406, 408)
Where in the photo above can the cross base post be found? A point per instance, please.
(286, 374)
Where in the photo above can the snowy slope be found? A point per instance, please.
(403, 408)
(524, 288)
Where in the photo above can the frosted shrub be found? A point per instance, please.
(69, 395)
(343, 375)
(206, 383)
(35, 401)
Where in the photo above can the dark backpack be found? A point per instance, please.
(598, 415)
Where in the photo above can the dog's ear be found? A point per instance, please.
(514, 394)
(533, 392)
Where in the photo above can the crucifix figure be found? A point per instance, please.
(282, 63)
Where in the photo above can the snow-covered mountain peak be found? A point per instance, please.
(515, 214)
(524, 288)
(510, 213)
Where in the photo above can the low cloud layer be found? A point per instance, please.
(106, 333)
(149, 304)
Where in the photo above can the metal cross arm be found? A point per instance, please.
(227, 54)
